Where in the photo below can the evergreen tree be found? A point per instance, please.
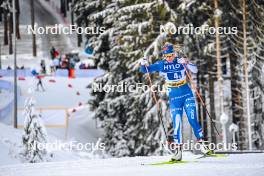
(34, 136)
(5, 9)
(129, 118)
(256, 63)
(238, 48)
(132, 31)
(200, 47)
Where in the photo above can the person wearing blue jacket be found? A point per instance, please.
(39, 77)
(180, 94)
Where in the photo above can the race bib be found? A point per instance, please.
(174, 76)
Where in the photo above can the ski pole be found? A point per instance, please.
(157, 102)
(200, 97)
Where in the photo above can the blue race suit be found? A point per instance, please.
(180, 96)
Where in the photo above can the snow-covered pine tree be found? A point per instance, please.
(35, 136)
(131, 32)
(217, 60)
(256, 16)
(83, 10)
(200, 48)
(238, 47)
(129, 118)
(5, 7)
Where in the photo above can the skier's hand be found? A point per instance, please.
(143, 61)
(181, 61)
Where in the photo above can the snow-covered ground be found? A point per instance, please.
(11, 146)
(59, 91)
(64, 94)
(235, 165)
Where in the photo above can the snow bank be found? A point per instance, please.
(82, 127)
(11, 146)
(235, 165)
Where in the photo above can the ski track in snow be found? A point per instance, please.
(235, 165)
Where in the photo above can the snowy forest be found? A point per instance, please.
(114, 87)
(230, 76)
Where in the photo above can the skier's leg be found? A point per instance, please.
(41, 84)
(176, 114)
(190, 109)
(176, 108)
(37, 86)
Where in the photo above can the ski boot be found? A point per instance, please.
(204, 148)
(177, 153)
(175, 149)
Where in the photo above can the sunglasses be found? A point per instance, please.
(168, 55)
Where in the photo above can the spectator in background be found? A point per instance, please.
(39, 78)
(43, 66)
(53, 53)
(82, 66)
(71, 66)
(52, 66)
(56, 63)
(56, 54)
(64, 62)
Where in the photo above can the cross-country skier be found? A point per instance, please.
(180, 95)
(39, 78)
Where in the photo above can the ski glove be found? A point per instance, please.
(181, 60)
(143, 61)
(190, 66)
